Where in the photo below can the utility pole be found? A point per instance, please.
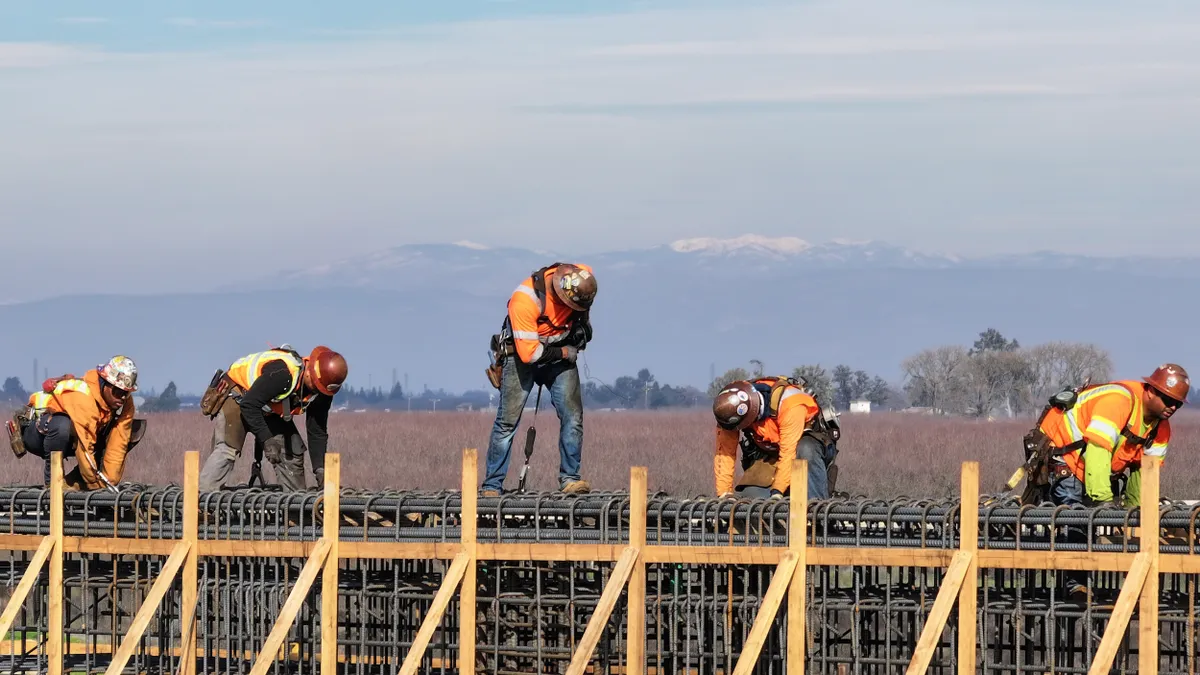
(33, 382)
(435, 403)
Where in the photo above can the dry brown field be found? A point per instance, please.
(883, 455)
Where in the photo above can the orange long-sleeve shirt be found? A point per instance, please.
(531, 339)
(796, 411)
(81, 400)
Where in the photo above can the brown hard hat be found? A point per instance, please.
(327, 369)
(737, 406)
(575, 286)
(1170, 379)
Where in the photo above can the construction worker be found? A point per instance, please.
(92, 415)
(538, 343)
(768, 418)
(259, 394)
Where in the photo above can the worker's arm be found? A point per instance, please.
(81, 408)
(1133, 488)
(316, 422)
(522, 316)
(274, 381)
(117, 447)
(796, 411)
(1102, 434)
(724, 460)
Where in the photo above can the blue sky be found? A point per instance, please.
(187, 139)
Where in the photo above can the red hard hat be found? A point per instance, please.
(1170, 379)
(327, 369)
(737, 406)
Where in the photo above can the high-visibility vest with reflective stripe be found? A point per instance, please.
(38, 402)
(246, 370)
(1090, 420)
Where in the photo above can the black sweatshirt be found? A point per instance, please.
(274, 381)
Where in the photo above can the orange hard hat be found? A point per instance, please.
(1170, 379)
(327, 369)
(737, 406)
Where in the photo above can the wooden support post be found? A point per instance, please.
(146, 612)
(936, 622)
(54, 623)
(1119, 621)
(329, 576)
(433, 617)
(291, 607)
(797, 544)
(780, 582)
(1148, 543)
(191, 565)
(466, 596)
(27, 580)
(604, 608)
(635, 658)
(968, 543)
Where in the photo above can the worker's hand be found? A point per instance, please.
(319, 474)
(726, 495)
(273, 449)
(570, 354)
(776, 494)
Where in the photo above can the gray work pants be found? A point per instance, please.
(229, 435)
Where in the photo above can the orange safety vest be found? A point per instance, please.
(536, 318)
(246, 370)
(1111, 416)
(775, 390)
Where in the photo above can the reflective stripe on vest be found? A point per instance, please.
(246, 370)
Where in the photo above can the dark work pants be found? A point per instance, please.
(50, 433)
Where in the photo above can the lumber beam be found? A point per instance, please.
(433, 616)
(191, 565)
(332, 510)
(968, 542)
(635, 656)
(146, 612)
(1148, 543)
(936, 622)
(295, 599)
(54, 622)
(780, 581)
(797, 545)
(604, 608)
(466, 597)
(1119, 620)
(26, 584)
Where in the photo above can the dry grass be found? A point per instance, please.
(883, 455)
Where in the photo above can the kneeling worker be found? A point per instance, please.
(92, 415)
(768, 418)
(259, 394)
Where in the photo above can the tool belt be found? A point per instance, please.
(220, 388)
(758, 465)
(16, 428)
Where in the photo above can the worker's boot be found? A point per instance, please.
(490, 493)
(577, 487)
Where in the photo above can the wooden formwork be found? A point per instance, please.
(959, 585)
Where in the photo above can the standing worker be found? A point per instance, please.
(537, 345)
(93, 415)
(259, 394)
(768, 418)
(1087, 439)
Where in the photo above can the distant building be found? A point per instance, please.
(860, 406)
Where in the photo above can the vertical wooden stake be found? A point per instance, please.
(798, 544)
(1148, 542)
(636, 625)
(329, 576)
(54, 642)
(191, 567)
(969, 543)
(466, 597)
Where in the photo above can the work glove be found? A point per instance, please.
(726, 495)
(319, 474)
(569, 354)
(776, 494)
(273, 449)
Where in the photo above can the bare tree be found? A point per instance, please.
(1057, 365)
(817, 381)
(993, 379)
(934, 375)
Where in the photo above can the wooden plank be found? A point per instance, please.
(780, 581)
(329, 576)
(715, 555)
(549, 552)
(1114, 632)
(968, 594)
(26, 584)
(1148, 604)
(635, 656)
(357, 550)
(295, 599)
(798, 546)
(258, 549)
(936, 621)
(54, 622)
(146, 612)
(466, 597)
(191, 565)
(604, 608)
(433, 617)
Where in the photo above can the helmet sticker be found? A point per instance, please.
(742, 408)
(1172, 381)
(732, 420)
(742, 396)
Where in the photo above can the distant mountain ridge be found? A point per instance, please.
(681, 309)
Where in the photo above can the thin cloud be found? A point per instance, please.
(43, 55)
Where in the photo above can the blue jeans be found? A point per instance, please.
(1069, 491)
(819, 458)
(517, 380)
(51, 433)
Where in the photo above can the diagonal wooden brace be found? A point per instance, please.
(1114, 632)
(291, 607)
(766, 613)
(26, 584)
(936, 623)
(604, 608)
(146, 612)
(433, 617)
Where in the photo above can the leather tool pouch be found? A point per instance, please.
(16, 427)
(214, 396)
